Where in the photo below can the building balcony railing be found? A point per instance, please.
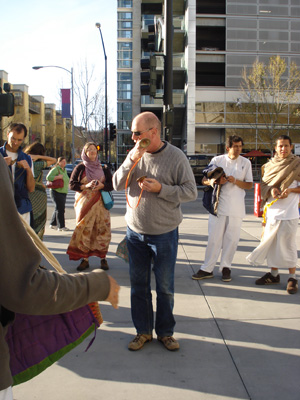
(34, 106)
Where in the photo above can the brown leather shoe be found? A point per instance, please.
(138, 342)
(292, 286)
(83, 265)
(169, 342)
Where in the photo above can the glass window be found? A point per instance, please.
(124, 63)
(124, 15)
(276, 24)
(125, 3)
(125, 34)
(295, 11)
(241, 45)
(124, 45)
(275, 2)
(124, 24)
(241, 34)
(295, 47)
(246, 9)
(242, 23)
(270, 10)
(273, 35)
(273, 46)
(124, 117)
(124, 86)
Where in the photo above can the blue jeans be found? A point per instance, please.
(162, 249)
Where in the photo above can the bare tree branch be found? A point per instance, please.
(274, 90)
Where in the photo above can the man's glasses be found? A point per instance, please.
(140, 133)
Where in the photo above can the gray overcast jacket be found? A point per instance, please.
(26, 289)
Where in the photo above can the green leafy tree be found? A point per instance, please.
(270, 99)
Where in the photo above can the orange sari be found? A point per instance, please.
(92, 234)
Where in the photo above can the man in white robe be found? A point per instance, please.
(280, 190)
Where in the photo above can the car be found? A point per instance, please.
(198, 162)
(69, 167)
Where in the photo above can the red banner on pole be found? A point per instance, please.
(65, 103)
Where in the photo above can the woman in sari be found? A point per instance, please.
(92, 234)
(38, 198)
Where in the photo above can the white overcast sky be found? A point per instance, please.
(58, 32)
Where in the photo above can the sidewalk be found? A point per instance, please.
(238, 340)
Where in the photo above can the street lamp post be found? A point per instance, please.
(105, 58)
(72, 95)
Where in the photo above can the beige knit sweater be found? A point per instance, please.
(157, 213)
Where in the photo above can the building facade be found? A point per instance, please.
(43, 121)
(214, 40)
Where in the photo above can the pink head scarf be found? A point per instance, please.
(93, 169)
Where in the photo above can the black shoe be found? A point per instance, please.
(268, 279)
(104, 264)
(226, 274)
(202, 275)
(83, 265)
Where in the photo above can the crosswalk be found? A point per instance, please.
(119, 199)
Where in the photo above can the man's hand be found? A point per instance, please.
(285, 193)
(113, 295)
(23, 164)
(8, 160)
(224, 179)
(137, 152)
(275, 193)
(150, 185)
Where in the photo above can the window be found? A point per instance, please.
(124, 55)
(124, 85)
(124, 116)
(125, 3)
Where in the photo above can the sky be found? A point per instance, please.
(61, 33)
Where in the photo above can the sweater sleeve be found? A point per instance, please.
(74, 183)
(183, 188)
(52, 174)
(27, 289)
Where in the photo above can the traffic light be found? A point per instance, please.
(148, 76)
(112, 131)
(99, 147)
(7, 104)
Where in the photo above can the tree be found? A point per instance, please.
(270, 95)
(90, 98)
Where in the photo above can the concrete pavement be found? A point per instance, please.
(238, 340)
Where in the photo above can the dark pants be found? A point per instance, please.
(58, 216)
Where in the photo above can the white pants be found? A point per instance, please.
(223, 234)
(278, 246)
(6, 394)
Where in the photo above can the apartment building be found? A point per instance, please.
(43, 121)
(213, 41)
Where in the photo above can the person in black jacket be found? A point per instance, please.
(92, 234)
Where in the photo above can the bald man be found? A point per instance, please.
(152, 226)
